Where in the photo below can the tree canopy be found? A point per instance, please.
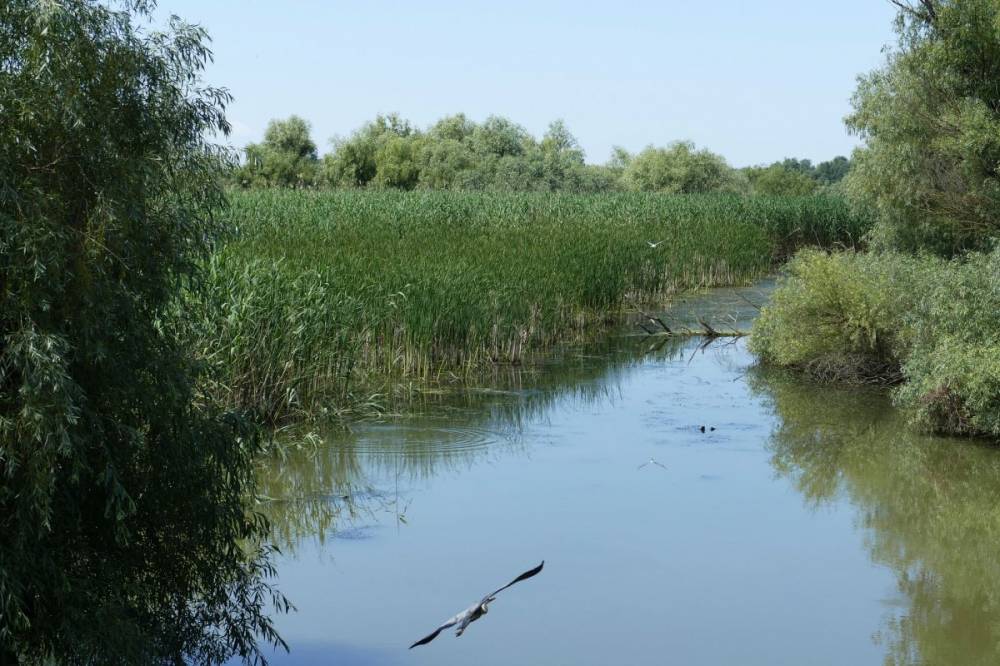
(930, 118)
(778, 180)
(500, 155)
(679, 169)
(286, 158)
(797, 177)
(124, 532)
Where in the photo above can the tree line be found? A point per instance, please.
(498, 154)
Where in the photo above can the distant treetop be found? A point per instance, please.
(498, 154)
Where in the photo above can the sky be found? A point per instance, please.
(753, 81)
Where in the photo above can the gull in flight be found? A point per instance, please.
(650, 462)
(654, 245)
(476, 611)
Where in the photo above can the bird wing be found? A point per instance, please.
(448, 623)
(524, 576)
(468, 611)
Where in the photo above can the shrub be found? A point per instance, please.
(953, 368)
(838, 316)
(931, 324)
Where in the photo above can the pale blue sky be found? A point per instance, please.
(754, 81)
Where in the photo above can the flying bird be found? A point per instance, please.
(654, 245)
(650, 462)
(476, 611)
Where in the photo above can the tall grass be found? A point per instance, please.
(320, 289)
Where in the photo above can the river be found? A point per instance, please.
(811, 526)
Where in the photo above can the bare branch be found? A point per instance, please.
(926, 11)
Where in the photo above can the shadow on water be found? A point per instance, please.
(929, 508)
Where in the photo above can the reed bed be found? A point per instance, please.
(320, 294)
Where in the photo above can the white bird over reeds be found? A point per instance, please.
(654, 245)
(476, 611)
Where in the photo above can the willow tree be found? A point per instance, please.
(124, 533)
(680, 169)
(777, 180)
(286, 158)
(931, 121)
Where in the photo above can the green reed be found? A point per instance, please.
(319, 293)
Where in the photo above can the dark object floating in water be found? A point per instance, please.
(473, 613)
(650, 462)
(702, 428)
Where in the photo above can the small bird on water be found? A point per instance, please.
(651, 462)
(473, 613)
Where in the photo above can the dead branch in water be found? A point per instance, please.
(643, 327)
(654, 320)
(706, 331)
(685, 332)
(709, 331)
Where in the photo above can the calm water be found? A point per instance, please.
(809, 528)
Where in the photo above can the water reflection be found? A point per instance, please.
(332, 481)
(809, 522)
(929, 508)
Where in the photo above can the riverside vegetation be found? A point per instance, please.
(321, 297)
(129, 534)
(924, 322)
(923, 306)
(148, 328)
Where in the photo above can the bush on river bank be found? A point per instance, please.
(932, 324)
(930, 118)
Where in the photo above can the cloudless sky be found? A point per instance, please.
(754, 81)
